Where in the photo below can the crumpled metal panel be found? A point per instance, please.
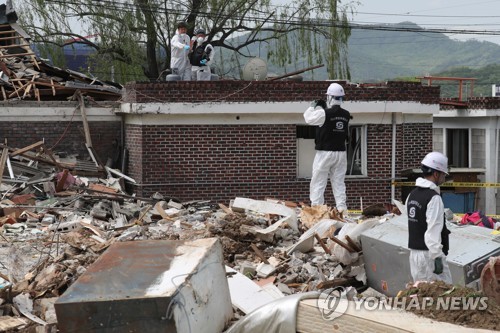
(279, 316)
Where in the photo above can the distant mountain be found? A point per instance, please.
(381, 55)
(376, 56)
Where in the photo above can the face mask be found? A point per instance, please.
(200, 40)
(182, 35)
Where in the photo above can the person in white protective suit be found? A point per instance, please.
(330, 161)
(201, 56)
(428, 236)
(180, 45)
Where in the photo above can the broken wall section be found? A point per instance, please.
(60, 125)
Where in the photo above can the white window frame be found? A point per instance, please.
(306, 152)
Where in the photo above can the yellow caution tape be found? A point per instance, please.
(452, 184)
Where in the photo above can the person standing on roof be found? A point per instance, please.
(330, 160)
(200, 56)
(428, 236)
(180, 45)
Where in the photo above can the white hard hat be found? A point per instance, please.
(335, 89)
(436, 161)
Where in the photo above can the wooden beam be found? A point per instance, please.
(10, 38)
(341, 243)
(325, 248)
(13, 46)
(28, 88)
(25, 149)
(352, 244)
(3, 159)
(88, 139)
(53, 88)
(4, 32)
(259, 254)
(17, 55)
(16, 92)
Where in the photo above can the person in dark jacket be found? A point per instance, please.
(428, 236)
(330, 160)
(201, 56)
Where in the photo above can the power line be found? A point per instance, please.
(432, 16)
(292, 22)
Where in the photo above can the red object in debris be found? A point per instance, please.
(490, 279)
(69, 180)
(7, 220)
(23, 199)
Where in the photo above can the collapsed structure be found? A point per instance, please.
(218, 182)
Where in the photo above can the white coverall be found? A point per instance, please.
(422, 261)
(203, 73)
(179, 61)
(327, 164)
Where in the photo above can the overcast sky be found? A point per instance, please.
(443, 14)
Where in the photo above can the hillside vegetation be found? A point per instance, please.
(377, 56)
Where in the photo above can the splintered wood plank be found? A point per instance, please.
(25, 149)
(17, 55)
(53, 88)
(4, 95)
(8, 323)
(86, 129)
(16, 92)
(13, 46)
(33, 57)
(28, 88)
(10, 38)
(3, 159)
(5, 32)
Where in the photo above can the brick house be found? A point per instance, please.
(221, 139)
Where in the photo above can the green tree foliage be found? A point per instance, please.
(134, 35)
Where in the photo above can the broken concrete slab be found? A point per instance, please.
(268, 208)
(306, 240)
(246, 295)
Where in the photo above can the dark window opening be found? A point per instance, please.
(457, 147)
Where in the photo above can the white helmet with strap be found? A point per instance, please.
(436, 161)
(336, 90)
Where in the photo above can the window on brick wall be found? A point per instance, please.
(457, 147)
(356, 151)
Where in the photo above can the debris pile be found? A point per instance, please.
(24, 76)
(56, 221)
(483, 312)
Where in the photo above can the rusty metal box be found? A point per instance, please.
(150, 286)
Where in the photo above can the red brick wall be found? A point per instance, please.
(105, 135)
(273, 91)
(474, 103)
(220, 162)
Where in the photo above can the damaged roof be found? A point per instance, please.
(24, 76)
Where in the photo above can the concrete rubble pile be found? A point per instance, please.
(57, 223)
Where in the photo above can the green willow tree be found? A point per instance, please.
(133, 36)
